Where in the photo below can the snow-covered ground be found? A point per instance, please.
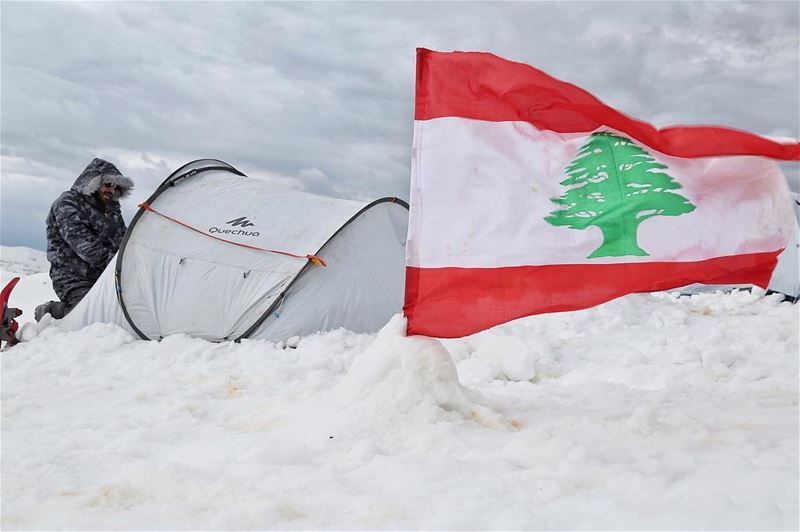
(649, 412)
(22, 260)
(34, 286)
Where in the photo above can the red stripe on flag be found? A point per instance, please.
(456, 302)
(483, 86)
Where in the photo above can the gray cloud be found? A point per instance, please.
(319, 96)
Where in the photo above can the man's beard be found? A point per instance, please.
(105, 199)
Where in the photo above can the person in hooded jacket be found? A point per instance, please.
(84, 231)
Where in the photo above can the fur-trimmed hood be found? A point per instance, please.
(99, 172)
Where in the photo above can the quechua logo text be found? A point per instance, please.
(239, 222)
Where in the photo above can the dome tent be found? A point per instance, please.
(216, 255)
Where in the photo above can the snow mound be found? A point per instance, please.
(496, 355)
(22, 261)
(400, 377)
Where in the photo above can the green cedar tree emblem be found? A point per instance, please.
(615, 185)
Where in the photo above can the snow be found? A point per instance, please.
(651, 411)
(34, 286)
(22, 260)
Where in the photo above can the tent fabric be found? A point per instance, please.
(167, 279)
(786, 277)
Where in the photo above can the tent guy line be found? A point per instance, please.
(313, 259)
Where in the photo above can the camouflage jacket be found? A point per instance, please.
(83, 232)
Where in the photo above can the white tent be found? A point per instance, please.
(786, 277)
(183, 266)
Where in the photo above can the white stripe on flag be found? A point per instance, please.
(488, 187)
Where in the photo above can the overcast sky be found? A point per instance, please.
(319, 96)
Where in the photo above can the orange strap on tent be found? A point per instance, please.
(313, 259)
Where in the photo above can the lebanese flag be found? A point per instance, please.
(529, 195)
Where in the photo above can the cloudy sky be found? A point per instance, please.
(319, 96)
